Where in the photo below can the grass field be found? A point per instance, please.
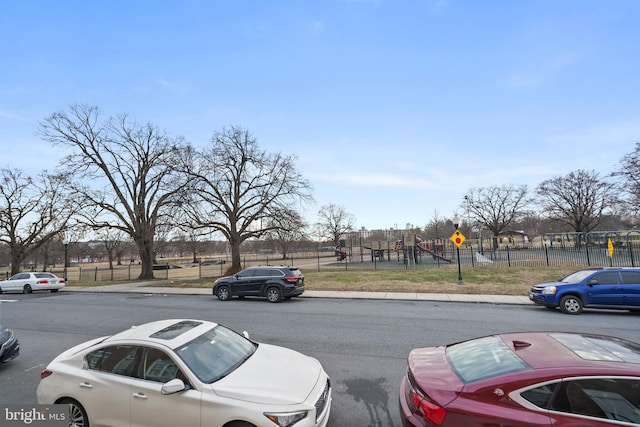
(478, 280)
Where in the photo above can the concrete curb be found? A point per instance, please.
(144, 288)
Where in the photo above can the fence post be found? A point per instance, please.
(508, 257)
(631, 254)
(473, 255)
(586, 247)
(546, 254)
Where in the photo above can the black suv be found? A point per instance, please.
(271, 282)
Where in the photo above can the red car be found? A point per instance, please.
(524, 379)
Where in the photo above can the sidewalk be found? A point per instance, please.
(145, 288)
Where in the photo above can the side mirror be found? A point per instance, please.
(593, 282)
(174, 386)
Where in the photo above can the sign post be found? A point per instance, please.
(458, 238)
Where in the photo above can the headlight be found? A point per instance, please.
(286, 419)
(549, 290)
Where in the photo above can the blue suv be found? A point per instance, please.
(613, 288)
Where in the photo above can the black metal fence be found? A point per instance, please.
(386, 255)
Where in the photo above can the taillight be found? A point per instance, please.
(433, 412)
(291, 279)
(42, 282)
(45, 373)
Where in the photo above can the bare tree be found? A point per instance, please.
(239, 187)
(122, 171)
(578, 199)
(436, 228)
(287, 229)
(33, 211)
(496, 208)
(113, 241)
(629, 175)
(333, 222)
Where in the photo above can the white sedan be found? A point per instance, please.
(186, 373)
(29, 282)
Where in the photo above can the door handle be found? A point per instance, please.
(140, 395)
(86, 385)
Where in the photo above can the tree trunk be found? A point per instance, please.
(17, 258)
(146, 260)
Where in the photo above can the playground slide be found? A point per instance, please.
(340, 254)
(433, 254)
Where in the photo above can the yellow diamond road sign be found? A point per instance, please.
(457, 238)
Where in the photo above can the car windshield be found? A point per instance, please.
(483, 358)
(216, 353)
(578, 276)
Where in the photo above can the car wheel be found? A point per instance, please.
(274, 294)
(223, 293)
(27, 289)
(571, 304)
(77, 414)
(54, 290)
(239, 424)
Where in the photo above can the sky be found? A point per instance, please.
(395, 109)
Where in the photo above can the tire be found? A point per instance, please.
(77, 414)
(274, 294)
(27, 289)
(53, 291)
(223, 293)
(239, 424)
(571, 304)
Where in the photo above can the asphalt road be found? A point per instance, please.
(362, 344)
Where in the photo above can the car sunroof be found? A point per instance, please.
(170, 332)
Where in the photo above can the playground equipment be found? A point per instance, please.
(340, 253)
(376, 253)
(420, 246)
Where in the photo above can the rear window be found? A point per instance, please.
(483, 358)
(295, 272)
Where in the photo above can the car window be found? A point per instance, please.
(19, 276)
(118, 359)
(295, 272)
(246, 273)
(599, 348)
(608, 278)
(275, 273)
(540, 396)
(44, 275)
(156, 365)
(483, 358)
(216, 353)
(261, 272)
(630, 277)
(578, 276)
(610, 398)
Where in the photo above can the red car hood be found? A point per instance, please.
(431, 372)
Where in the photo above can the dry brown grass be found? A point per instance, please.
(477, 280)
